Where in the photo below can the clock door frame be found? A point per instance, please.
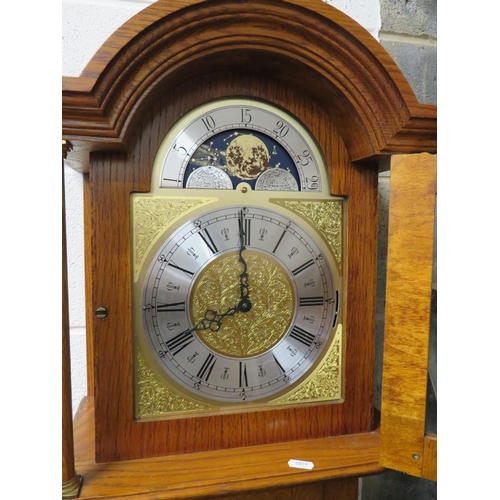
(303, 55)
(404, 443)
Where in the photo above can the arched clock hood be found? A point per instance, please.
(306, 44)
(306, 60)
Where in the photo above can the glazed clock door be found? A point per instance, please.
(237, 293)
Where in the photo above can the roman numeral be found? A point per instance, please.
(207, 368)
(243, 375)
(279, 241)
(311, 301)
(302, 336)
(189, 273)
(205, 236)
(180, 341)
(303, 267)
(246, 231)
(282, 370)
(174, 307)
(336, 308)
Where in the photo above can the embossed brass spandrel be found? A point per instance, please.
(151, 216)
(325, 383)
(326, 216)
(238, 288)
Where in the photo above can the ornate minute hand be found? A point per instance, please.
(244, 305)
(212, 320)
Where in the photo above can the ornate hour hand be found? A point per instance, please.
(244, 305)
(212, 320)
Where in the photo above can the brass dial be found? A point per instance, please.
(193, 304)
(237, 265)
(272, 299)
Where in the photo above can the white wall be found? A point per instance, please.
(86, 26)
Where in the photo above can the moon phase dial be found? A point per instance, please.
(224, 143)
(238, 304)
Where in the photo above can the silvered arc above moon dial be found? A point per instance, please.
(239, 303)
(240, 141)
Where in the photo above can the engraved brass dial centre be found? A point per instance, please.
(247, 333)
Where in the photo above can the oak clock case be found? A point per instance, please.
(237, 258)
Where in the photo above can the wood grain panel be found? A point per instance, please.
(113, 176)
(333, 76)
(303, 41)
(255, 472)
(407, 316)
(429, 468)
(305, 492)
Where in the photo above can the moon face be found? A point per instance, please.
(247, 157)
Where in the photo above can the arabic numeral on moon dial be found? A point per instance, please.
(281, 129)
(304, 159)
(246, 117)
(312, 182)
(209, 122)
(180, 149)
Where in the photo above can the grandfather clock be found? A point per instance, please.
(230, 154)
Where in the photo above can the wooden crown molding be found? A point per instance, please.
(305, 43)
